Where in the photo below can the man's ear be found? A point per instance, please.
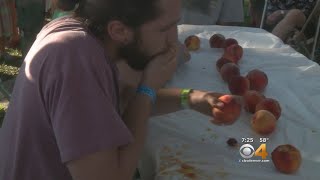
(119, 32)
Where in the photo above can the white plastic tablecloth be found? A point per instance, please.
(187, 138)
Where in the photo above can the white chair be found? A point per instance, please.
(264, 13)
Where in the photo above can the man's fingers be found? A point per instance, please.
(186, 53)
(166, 54)
(214, 102)
(170, 55)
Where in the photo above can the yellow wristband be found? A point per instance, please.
(184, 97)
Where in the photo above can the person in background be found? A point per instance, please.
(210, 12)
(63, 8)
(285, 16)
(64, 119)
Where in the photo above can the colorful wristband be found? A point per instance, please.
(147, 91)
(184, 98)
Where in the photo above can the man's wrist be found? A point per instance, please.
(148, 91)
(185, 98)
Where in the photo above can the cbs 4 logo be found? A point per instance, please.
(247, 151)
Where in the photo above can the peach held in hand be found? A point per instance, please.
(229, 113)
(192, 43)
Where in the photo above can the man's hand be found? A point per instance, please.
(203, 102)
(160, 69)
(183, 54)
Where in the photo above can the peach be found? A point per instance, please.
(230, 112)
(192, 43)
(221, 62)
(263, 122)
(229, 41)
(217, 41)
(286, 158)
(270, 105)
(229, 70)
(233, 52)
(238, 85)
(251, 99)
(258, 80)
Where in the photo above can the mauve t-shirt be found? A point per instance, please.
(64, 105)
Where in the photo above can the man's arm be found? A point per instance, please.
(117, 163)
(169, 100)
(121, 163)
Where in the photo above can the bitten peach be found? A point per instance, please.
(258, 80)
(233, 52)
(251, 99)
(230, 112)
(216, 41)
(221, 62)
(229, 70)
(229, 41)
(286, 158)
(263, 122)
(238, 85)
(192, 43)
(270, 105)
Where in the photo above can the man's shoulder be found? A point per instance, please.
(65, 27)
(62, 44)
(68, 35)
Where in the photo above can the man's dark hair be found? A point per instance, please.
(67, 5)
(133, 13)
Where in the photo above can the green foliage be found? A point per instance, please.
(8, 72)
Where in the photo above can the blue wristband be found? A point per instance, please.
(147, 91)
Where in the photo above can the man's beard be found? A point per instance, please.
(133, 54)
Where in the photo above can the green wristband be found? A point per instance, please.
(184, 98)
